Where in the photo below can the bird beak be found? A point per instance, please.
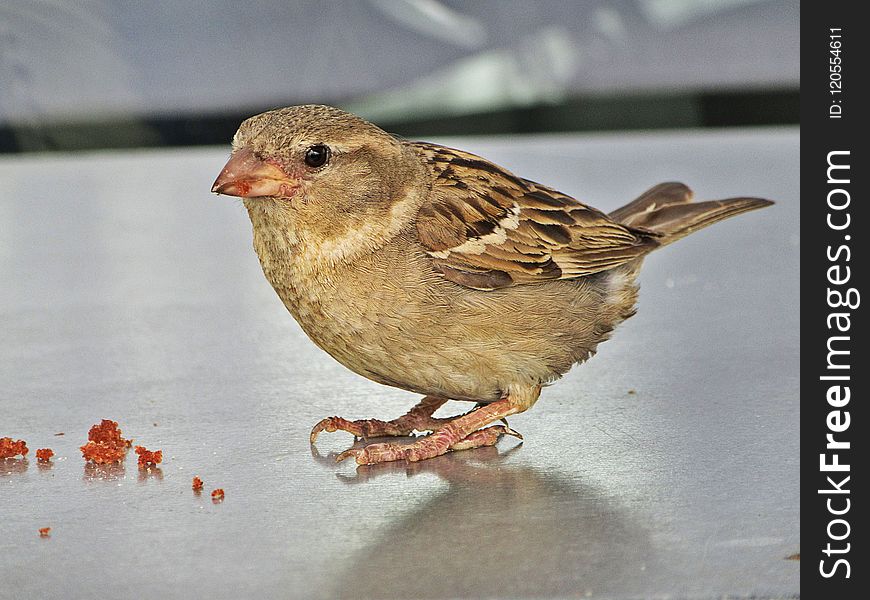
(247, 176)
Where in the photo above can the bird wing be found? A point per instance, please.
(486, 228)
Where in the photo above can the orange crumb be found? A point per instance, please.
(102, 454)
(148, 458)
(107, 432)
(44, 454)
(105, 444)
(217, 495)
(8, 448)
(197, 484)
(44, 531)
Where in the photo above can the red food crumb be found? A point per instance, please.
(8, 448)
(217, 495)
(103, 454)
(197, 484)
(44, 454)
(105, 444)
(107, 432)
(148, 458)
(44, 531)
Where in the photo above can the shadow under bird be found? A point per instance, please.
(436, 271)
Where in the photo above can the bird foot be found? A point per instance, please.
(418, 418)
(436, 444)
(363, 428)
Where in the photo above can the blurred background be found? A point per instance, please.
(114, 73)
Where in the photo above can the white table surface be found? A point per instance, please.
(128, 291)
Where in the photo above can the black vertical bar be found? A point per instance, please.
(834, 64)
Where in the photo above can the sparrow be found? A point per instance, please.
(439, 272)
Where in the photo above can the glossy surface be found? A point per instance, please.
(665, 467)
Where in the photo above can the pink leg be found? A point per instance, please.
(458, 433)
(418, 418)
(484, 437)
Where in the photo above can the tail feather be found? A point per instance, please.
(667, 210)
(659, 196)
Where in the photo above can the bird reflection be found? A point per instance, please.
(367, 472)
(456, 468)
(499, 529)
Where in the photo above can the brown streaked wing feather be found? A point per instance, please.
(487, 228)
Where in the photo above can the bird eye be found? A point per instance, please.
(317, 155)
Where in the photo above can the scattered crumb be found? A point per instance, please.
(796, 556)
(60, 433)
(148, 458)
(103, 454)
(44, 454)
(197, 484)
(8, 448)
(632, 392)
(45, 532)
(105, 444)
(107, 432)
(217, 495)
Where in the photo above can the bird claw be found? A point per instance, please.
(362, 429)
(508, 431)
(328, 424)
(427, 447)
(380, 453)
(348, 453)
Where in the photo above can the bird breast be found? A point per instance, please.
(391, 317)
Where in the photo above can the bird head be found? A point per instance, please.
(323, 169)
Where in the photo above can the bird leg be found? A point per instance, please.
(418, 418)
(487, 436)
(459, 433)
